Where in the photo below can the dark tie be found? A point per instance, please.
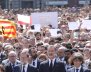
(77, 70)
(13, 67)
(51, 66)
(23, 68)
(33, 63)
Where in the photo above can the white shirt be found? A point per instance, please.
(35, 62)
(78, 68)
(52, 61)
(25, 68)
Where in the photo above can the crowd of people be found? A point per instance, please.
(70, 51)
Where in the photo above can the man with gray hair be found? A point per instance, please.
(12, 59)
(25, 66)
(11, 63)
(61, 54)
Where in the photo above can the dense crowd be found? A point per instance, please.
(70, 51)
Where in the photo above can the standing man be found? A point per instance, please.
(52, 65)
(35, 62)
(24, 66)
(11, 63)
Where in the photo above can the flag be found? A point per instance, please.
(23, 19)
(7, 28)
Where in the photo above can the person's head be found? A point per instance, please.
(52, 41)
(42, 57)
(86, 53)
(2, 69)
(51, 52)
(38, 35)
(33, 52)
(32, 41)
(30, 34)
(8, 48)
(24, 56)
(44, 49)
(77, 59)
(56, 46)
(68, 45)
(46, 40)
(12, 56)
(68, 53)
(17, 47)
(39, 46)
(61, 51)
(25, 41)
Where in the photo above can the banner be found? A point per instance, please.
(23, 19)
(45, 19)
(73, 25)
(7, 28)
(86, 24)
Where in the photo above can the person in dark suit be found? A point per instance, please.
(34, 60)
(77, 61)
(11, 62)
(52, 65)
(25, 66)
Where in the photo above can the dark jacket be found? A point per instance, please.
(58, 66)
(29, 69)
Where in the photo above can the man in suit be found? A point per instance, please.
(52, 65)
(34, 60)
(61, 54)
(11, 62)
(25, 66)
(77, 62)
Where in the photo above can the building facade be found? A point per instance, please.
(14, 4)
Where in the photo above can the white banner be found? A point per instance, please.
(45, 18)
(73, 25)
(23, 19)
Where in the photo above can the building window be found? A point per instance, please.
(27, 4)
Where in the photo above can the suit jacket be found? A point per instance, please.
(2, 57)
(38, 64)
(8, 68)
(6, 62)
(82, 70)
(29, 69)
(58, 67)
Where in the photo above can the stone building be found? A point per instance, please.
(41, 3)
